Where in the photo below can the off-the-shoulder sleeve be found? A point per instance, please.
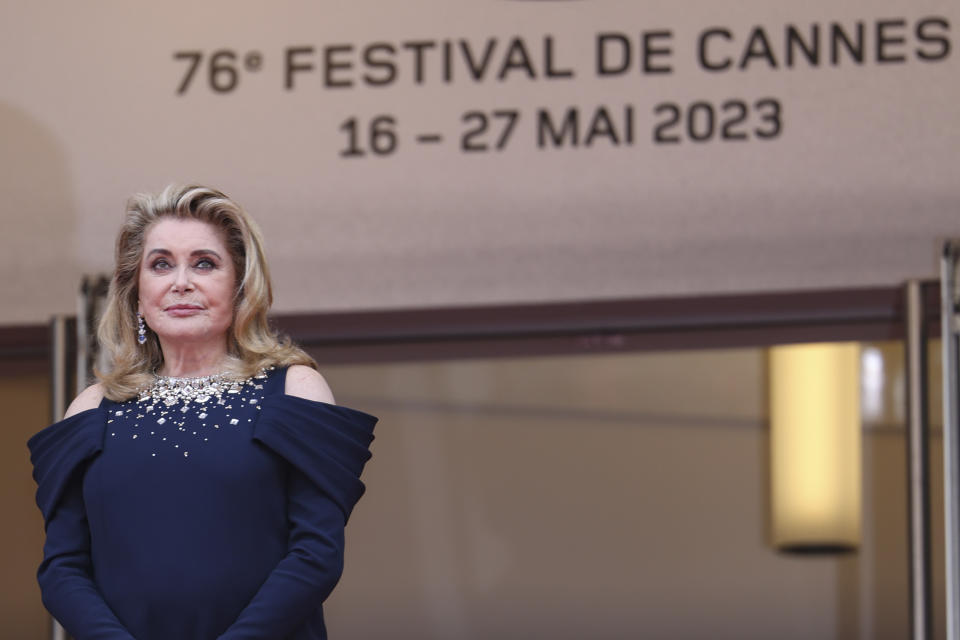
(59, 450)
(59, 455)
(327, 443)
(326, 447)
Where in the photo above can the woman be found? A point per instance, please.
(200, 489)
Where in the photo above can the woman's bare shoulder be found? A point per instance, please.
(89, 398)
(307, 383)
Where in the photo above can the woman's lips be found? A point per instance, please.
(182, 310)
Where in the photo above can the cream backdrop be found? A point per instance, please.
(847, 176)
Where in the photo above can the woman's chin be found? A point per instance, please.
(185, 332)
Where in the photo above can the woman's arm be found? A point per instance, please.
(327, 447)
(302, 580)
(65, 575)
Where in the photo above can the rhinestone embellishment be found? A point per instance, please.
(170, 391)
(171, 415)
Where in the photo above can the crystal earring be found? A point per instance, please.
(141, 329)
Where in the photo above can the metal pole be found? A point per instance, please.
(918, 468)
(58, 405)
(951, 424)
(83, 304)
(58, 367)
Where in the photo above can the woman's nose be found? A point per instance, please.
(182, 280)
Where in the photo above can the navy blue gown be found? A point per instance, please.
(217, 518)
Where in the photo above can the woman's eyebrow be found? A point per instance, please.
(194, 253)
(204, 252)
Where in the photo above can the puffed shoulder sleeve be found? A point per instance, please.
(60, 450)
(326, 448)
(327, 443)
(59, 455)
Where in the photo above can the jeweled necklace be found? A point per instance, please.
(171, 390)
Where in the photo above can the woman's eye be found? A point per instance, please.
(160, 264)
(205, 263)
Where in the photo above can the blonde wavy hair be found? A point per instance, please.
(252, 343)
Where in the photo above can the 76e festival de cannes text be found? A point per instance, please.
(499, 61)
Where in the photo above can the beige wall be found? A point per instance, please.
(604, 497)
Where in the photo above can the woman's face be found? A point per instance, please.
(187, 282)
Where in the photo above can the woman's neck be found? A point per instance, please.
(192, 361)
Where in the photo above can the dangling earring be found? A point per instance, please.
(141, 329)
